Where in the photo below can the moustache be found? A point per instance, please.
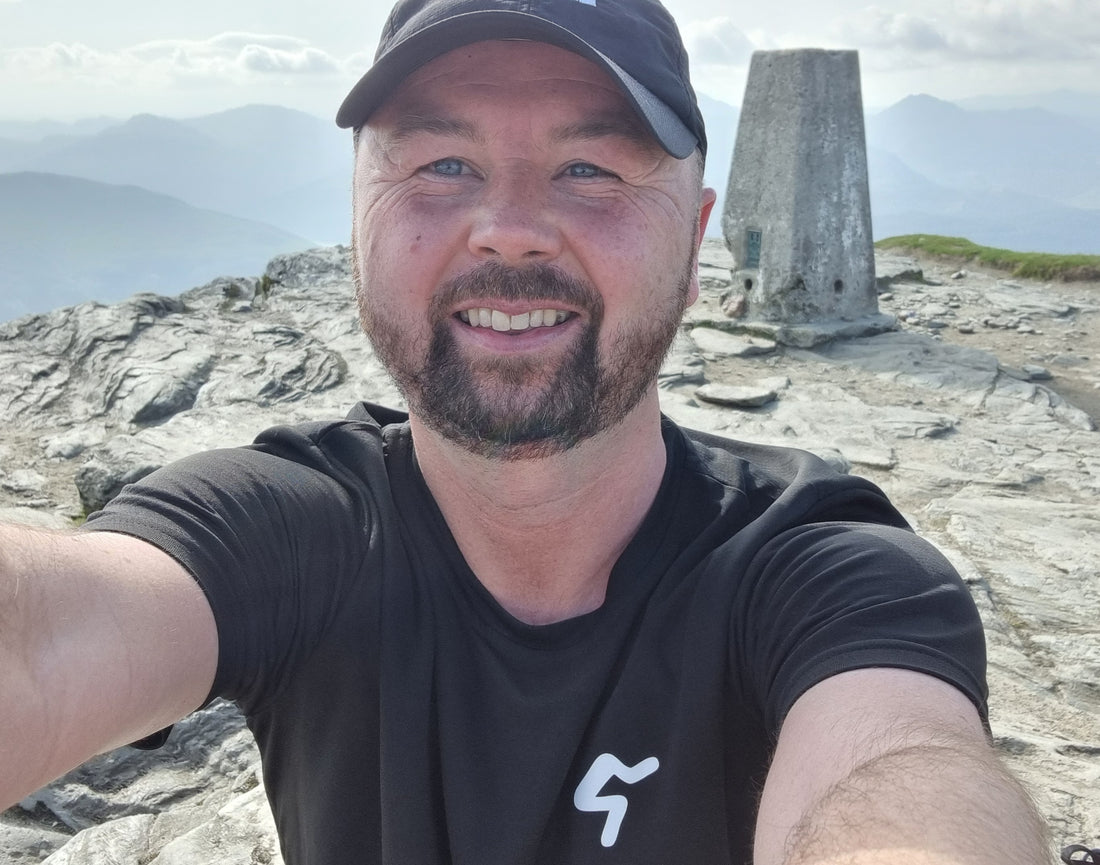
(538, 283)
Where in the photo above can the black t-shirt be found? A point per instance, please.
(405, 718)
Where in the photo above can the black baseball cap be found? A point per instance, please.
(635, 41)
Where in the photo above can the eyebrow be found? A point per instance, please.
(413, 123)
(618, 125)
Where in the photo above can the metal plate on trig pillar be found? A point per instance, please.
(753, 239)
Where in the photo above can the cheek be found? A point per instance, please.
(626, 253)
(629, 230)
(414, 234)
(404, 256)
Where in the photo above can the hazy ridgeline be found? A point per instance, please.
(104, 208)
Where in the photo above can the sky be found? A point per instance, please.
(68, 59)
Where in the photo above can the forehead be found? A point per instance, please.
(512, 73)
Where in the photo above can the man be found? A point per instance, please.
(534, 622)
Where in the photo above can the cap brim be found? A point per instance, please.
(403, 58)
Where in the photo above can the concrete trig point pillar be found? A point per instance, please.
(797, 217)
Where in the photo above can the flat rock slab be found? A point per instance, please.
(822, 332)
(897, 268)
(720, 343)
(736, 396)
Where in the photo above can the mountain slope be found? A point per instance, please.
(64, 240)
(236, 162)
(1026, 150)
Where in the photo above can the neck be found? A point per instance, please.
(542, 535)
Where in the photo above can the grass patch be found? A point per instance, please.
(1026, 265)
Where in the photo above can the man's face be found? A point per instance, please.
(524, 249)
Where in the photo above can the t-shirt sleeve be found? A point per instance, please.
(831, 597)
(272, 533)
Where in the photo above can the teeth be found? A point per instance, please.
(504, 323)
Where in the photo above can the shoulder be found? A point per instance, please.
(337, 466)
(351, 452)
(785, 486)
(361, 434)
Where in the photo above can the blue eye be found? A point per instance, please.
(449, 167)
(584, 169)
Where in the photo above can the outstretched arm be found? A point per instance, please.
(103, 640)
(891, 766)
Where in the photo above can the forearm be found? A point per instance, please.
(103, 639)
(930, 804)
(23, 761)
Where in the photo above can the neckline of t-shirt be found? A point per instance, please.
(632, 578)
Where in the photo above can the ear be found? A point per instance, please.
(706, 205)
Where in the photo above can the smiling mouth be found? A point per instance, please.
(502, 322)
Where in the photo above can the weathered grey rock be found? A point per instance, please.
(720, 343)
(77, 352)
(736, 396)
(1028, 372)
(31, 842)
(1009, 297)
(22, 481)
(36, 517)
(890, 269)
(199, 791)
(144, 395)
(241, 832)
(330, 265)
(209, 753)
(115, 386)
(72, 443)
(120, 841)
(1002, 473)
(818, 333)
(683, 364)
(120, 461)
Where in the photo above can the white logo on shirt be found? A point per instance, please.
(587, 2)
(588, 798)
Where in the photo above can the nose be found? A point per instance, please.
(513, 222)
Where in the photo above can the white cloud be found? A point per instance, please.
(877, 28)
(1041, 29)
(238, 58)
(1008, 31)
(717, 41)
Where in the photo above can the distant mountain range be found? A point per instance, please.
(1011, 172)
(64, 240)
(1072, 103)
(247, 162)
(173, 204)
(1024, 178)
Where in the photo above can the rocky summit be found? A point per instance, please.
(976, 414)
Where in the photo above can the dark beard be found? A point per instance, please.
(497, 408)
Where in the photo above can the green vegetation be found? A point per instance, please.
(263, 286)
(1026, 265)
